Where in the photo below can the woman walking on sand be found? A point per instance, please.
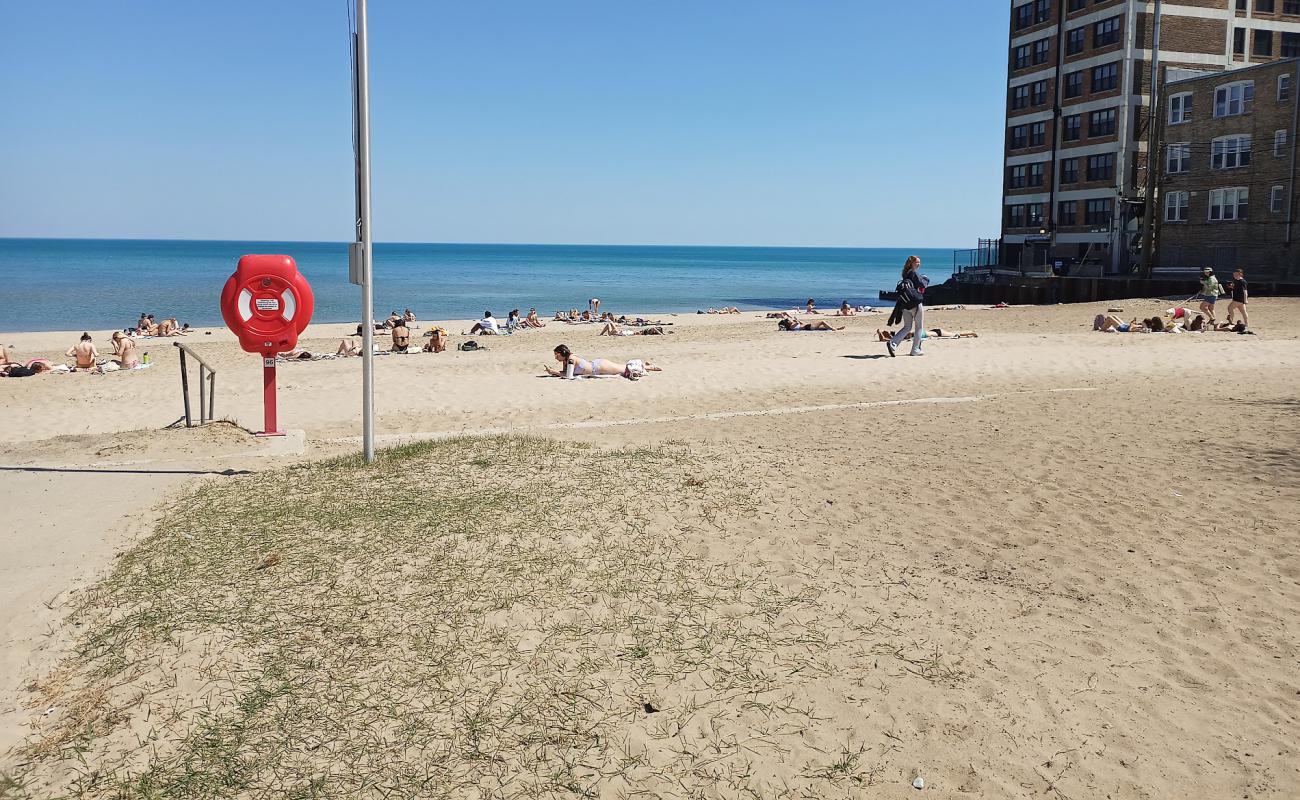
(910, 308)
(1209, 293)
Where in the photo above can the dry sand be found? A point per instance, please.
(1087, 541)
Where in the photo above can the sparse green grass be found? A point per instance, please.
(475, 617)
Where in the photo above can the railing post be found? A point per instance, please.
(203, 400)
(212, 395)
(185, 389)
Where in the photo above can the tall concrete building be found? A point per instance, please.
(1078, 94)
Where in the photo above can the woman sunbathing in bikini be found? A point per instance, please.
(611, 328)
(531, 321)
(796, 325)
(85, 353)
(575, 367)
(931, 333)
(124, 351)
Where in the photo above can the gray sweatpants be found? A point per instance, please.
(913, 320)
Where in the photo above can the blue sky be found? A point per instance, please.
(751, 122)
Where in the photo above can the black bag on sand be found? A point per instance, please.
(471, 346)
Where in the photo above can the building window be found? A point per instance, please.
(1230, 152)
(1097, 212)
(1239, 41)
(1242, 5)
(1022, 55)
(1178, 158)
(1180, 108)
(1067, 212)
(1284, 86)
(1017, 178)
(1069, 170)
(1015, 216)
(1034, 212)
(1040, 93)
(1279, 144)
(1072, 127)
(1019, 136)
(1105, 77)
(1291, 6)
(1074, 84)
(1231, 100)
(1020, 96)
(1037, 134)
(1291, 45)
(1101, 167)
(1024, 16)
(1101, 123)
(1263, 43)
(1075, 41)
(1176, 207)
(1229, 204)
(1277, 199)
(1042, 11)
(1105, 32)
(1042, 49)
(1265, 6)
(1036, 174)
(1075, 5)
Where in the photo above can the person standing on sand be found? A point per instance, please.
(910, 308)
(1240, 296)
(85, 353)
(593, 305)
(1210, 291)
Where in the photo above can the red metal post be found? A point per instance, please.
(268, 397)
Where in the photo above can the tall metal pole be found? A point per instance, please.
(1155, 125)
(362, 117)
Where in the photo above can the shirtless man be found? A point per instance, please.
(85, 353)
(124, 351)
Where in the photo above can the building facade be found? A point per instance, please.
(1078, 95)
(1227, 191)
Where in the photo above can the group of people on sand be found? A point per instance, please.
(84, 358)
(1181, 319)
(146, 326)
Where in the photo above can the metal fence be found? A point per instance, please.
(207, 388)
(982, 258)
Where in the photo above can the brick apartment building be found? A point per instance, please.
(1078, 91)
(1227, 193)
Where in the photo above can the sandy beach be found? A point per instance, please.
(1044, 561)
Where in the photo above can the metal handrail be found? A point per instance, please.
(208, 398)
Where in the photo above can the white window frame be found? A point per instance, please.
(1229, 211)
(1225, 102)
(1232, 152)
(1279, 144)
(1277, 199)
(1176, 206)
(1283, 87)
(1179, 153)
(1183, 103)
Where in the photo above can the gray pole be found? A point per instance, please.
(364, 237)
(1155, 125)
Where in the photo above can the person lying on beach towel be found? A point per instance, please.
(723, 310)
(796, 325)
(575, 367)
(85, 354)
(780, 315)
(930, 333)
(611, 329)
(36, 366)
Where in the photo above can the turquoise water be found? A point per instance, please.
(60, 284)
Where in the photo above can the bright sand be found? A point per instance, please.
(1100, 528)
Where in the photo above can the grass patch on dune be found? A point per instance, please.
(480, 617)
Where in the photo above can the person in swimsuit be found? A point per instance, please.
(532, 321)
(34, 367)
(812, 307)
(85, 353)
(931, 333)
(575, 367)
(401, 336)
(846, 310)
(796, 325)
(124, 351)
(4, 357)
(611, 328)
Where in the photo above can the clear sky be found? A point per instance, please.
(790, 122)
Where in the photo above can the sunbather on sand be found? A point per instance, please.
(931, 333)
(85, 353)
(575, 367)
(437, 341)
(4, 356)
(845, 310)
(124, 351)
(401, 336)
(1109, 322)
(531, 321)
(812, 307)
(34, 367)
(796, 325)
(723, 310)
(611, 328)
(780, 315)
(348, 347)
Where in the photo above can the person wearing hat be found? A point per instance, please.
(1209, 293)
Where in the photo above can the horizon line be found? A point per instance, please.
(474, 244)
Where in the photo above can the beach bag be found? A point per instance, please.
(470, 346)
(910, 294)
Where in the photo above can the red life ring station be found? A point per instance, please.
(267, 303)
